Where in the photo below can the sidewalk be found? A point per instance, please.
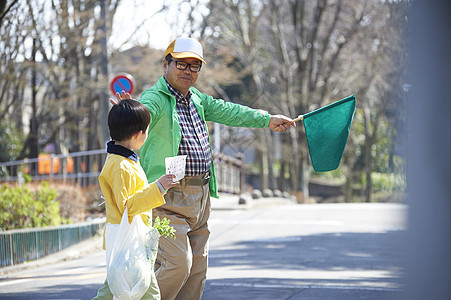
(225, 202)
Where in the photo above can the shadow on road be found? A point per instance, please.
(371, 264)
(330, 251)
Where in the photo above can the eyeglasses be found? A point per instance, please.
(181, 65)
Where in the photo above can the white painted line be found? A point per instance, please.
(324, 222)
(227, 255)
(278, 239)
(15, 281)
(279, 222)
(305, 286)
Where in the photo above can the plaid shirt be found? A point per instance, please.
(194, 142)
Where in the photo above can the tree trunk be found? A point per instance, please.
(263, 160)
(34, 122)
(369, 185)
(103, 105)
(271, 177)
(304, 178)
(348, 188)
(368, 160)
(281, 178)
(294, 166)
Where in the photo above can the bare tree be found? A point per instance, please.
(287, 57)
(64, 44)
(235, 29)
(301, 55)
(383, 69)
(13, 68)
(4, 9)
(290, 48)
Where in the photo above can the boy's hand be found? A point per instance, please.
(167, 181)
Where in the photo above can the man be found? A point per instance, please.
(178, 127)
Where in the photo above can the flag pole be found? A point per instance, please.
(300, 117)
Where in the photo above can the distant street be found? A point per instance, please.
(320, 251)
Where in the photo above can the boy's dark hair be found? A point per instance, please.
(127, 118)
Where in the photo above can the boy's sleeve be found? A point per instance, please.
(137, 201)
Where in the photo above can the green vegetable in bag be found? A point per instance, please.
(163, 227)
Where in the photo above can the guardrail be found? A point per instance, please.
(22, 245)
(83, 169)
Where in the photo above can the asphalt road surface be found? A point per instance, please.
(289, 251)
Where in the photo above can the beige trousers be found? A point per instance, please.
(181, 264)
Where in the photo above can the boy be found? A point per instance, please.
(123, 181)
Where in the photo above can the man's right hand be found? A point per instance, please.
(119, 97)
(280, 123)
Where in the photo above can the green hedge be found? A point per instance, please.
(22, 207)
(388, 182)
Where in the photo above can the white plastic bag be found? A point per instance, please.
(131, 250)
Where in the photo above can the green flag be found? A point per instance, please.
(327, 131)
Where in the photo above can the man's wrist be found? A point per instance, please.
(267, 119)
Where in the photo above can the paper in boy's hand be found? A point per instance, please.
(176, 165)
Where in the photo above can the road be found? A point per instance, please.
(313, 251)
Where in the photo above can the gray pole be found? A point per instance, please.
(429, 152)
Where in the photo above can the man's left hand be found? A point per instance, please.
(280, 123)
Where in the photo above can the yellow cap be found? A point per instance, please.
(184, 47)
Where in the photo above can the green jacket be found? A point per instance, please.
(164, 130)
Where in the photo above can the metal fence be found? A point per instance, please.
(22, 245)
(229, 173)
(80, 168)
(83, 169)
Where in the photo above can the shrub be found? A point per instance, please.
(388, 182)
(21, 207)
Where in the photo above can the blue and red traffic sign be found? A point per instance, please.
(122, 82)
